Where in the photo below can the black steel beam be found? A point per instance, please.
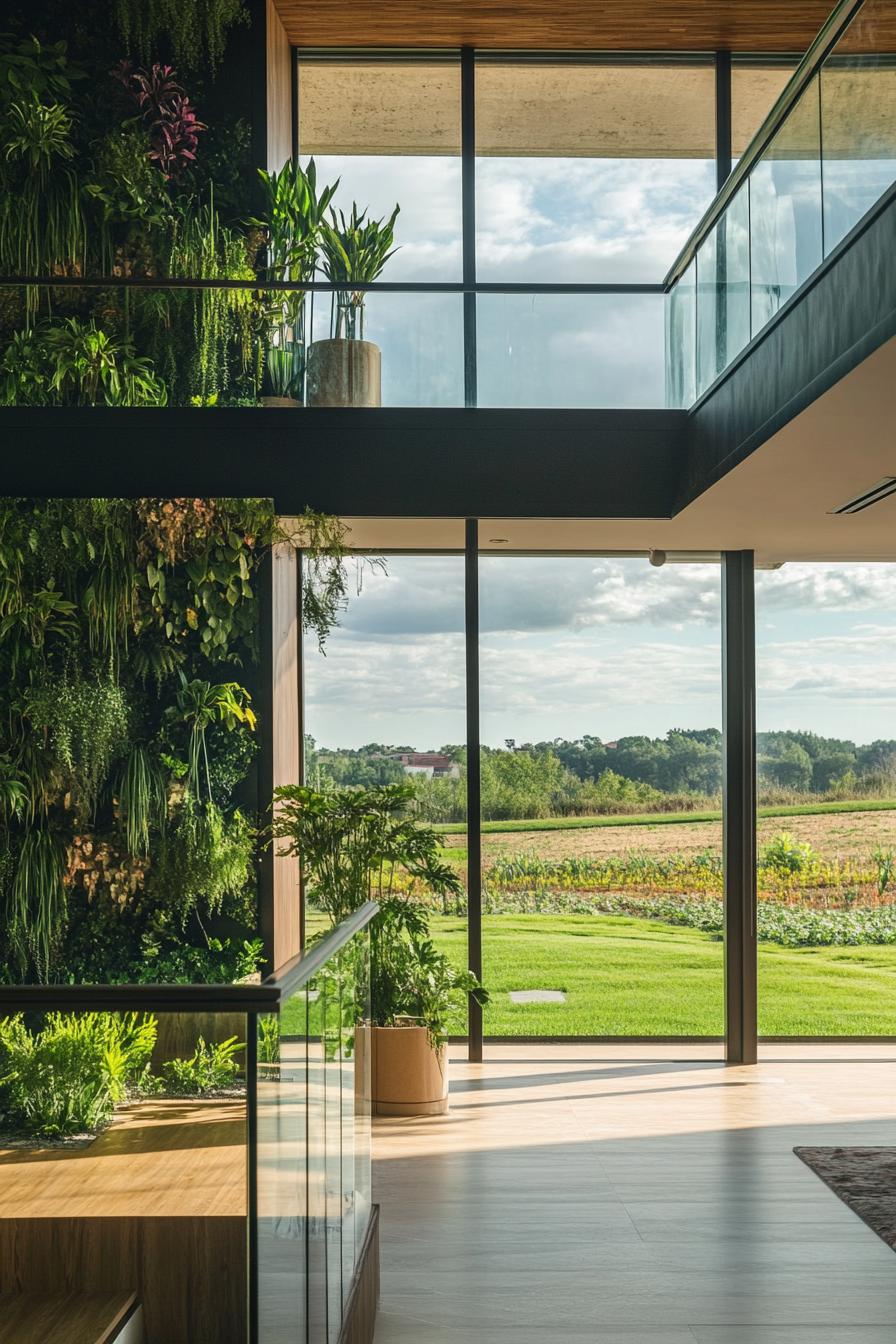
(370, 463)
(739, 804)
(843, 313)
(474, 781)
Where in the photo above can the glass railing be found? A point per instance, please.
(194, 1160)
(213, 344)
(824, 157)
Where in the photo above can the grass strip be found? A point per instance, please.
(663, 818)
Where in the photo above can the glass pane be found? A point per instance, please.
(590, 172)
(360, 1083)
(282, 1166)
(681, 341)
(723, 292)
(317, 1164)
(386, 705)
(331, 1007)
(826, 748)
(858, 112)
(390, 132)
(601, 704)
(756, 84)
(237, 348)
(421, 345)
(570, 350)
(785, 210)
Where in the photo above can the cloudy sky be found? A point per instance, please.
(601, 646)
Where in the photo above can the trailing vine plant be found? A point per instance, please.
(195, 29)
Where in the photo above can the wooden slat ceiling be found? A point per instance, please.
(636, 25)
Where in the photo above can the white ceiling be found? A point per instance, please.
(776, 503)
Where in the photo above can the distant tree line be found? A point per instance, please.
(681, 771)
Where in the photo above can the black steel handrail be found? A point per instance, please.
(838, 21)
(266, 997)
(331, 287)
(296, 973)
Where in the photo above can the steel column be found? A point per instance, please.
(739, 804)
(474, 780)
(468, 209)
(723, 118)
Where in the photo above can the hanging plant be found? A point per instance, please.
(195, 29)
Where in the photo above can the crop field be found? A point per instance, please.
(834, 834)
(626, 921)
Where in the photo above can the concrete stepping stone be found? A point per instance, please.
(537, 996)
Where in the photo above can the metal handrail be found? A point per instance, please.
(838, 21)
(266, 997)
(332, 287)
(296, 973)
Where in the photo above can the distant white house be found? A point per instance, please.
(431, 764)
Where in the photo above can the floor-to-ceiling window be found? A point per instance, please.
(601, 796)
(826, 755)
(548, 212)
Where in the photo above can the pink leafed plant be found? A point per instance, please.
(169, 116)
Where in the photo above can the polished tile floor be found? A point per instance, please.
(630, 1195)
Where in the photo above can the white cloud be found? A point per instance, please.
(827, 587)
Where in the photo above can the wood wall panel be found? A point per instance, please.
(156, 1205)
(279, 91)
(286, 746)
(640, 25)
(189, 1273)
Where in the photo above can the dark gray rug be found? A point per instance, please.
(864, 1178)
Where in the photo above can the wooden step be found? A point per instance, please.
(70, 1318)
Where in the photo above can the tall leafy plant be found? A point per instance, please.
(42, 226)
(292, 219)
(358, 845)
(354, 251)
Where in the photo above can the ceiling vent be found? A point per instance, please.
(882, 490)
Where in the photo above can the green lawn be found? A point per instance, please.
(662, 818)
(639, 977)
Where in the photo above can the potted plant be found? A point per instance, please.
(414, 993)
(346, 370)
(292, 219)
(366, 844)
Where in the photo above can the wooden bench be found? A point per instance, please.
(155, 1205)
(71, 1318)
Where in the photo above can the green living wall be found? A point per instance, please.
(126, 154)
(129, 810)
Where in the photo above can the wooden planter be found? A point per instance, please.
(407, 1077)
(178, 1034)
(344, 373)
(291, 402)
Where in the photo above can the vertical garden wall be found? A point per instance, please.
(131, 818)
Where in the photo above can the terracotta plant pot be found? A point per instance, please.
(280, 401)
(344, 373)
(407, 1077)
